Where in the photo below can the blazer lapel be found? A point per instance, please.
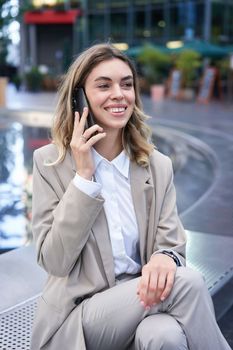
(142, 194)
(100, 231)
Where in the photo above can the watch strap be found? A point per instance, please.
(173, 256)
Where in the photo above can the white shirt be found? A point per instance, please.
(113, 183)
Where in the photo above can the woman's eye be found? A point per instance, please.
(103, 86)
(128, 85)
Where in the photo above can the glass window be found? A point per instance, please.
(158, 24)
(217, 21)
(199, 23)
(118, 26)
(230, 25)
(96, 25)
(140, 2)
(186, 19)
(139, 30)
(95, 5)
(118, 4)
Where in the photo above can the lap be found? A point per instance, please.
(112, 316)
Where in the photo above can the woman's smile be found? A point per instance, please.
(116, 110)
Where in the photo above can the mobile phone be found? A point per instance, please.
(79, 101)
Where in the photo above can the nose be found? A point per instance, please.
(117, 92)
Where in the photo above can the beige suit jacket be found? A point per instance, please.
(73, 244)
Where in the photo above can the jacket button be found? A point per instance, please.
(78, 300)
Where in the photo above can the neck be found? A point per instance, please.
(111, 146)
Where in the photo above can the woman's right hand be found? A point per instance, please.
(81, 143)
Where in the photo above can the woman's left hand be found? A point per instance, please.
(157, 280)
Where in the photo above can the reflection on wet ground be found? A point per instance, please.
(194, 164)
(17, 143)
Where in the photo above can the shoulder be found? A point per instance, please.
(158, 160)
(46, 154)
(161, 167)
(45, 163)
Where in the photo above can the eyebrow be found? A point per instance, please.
(128, 77)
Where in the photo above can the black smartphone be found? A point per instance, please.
(79, 101)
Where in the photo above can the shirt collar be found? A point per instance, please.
(121, 162)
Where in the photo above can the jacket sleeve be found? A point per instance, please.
(170, 233)
(61, 223)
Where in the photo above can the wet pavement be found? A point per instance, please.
(24, 124)
(17, 143)
(210, 128)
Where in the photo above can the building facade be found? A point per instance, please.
(137, 21)
(133, 22)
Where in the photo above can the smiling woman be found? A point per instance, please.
(106, 226)
(111, 98)
(121, 78)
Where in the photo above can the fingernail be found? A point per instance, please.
(147, 307)
(143, 304)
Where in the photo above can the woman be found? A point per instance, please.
(106, 225)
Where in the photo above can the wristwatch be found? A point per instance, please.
(173, 256)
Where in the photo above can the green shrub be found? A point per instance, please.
(34, 79)
(155, 64)
(188, 62)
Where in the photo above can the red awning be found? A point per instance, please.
(51, 17)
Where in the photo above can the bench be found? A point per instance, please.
(22, 281)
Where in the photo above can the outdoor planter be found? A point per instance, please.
(3, 86)
(157, 92)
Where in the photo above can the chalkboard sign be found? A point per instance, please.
(208, 82)
(174, 88)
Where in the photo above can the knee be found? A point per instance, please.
(164, 334)
(191, 279)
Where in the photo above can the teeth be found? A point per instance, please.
(117, 110)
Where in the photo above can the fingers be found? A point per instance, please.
(81, 142)
(91, 132)
(143, 286)
(157, 280)
(94, 139)
(151, 289)
(168, 287)
(80, 121)
(80, 136)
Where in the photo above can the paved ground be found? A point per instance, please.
(207, 130)
(213, 126)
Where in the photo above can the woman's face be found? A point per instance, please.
(110, 92)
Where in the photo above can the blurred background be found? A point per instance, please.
(183, 52)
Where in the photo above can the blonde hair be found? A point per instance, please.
(136, 134)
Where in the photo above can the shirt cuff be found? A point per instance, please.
(90, 188)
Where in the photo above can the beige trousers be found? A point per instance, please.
(116, 320)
